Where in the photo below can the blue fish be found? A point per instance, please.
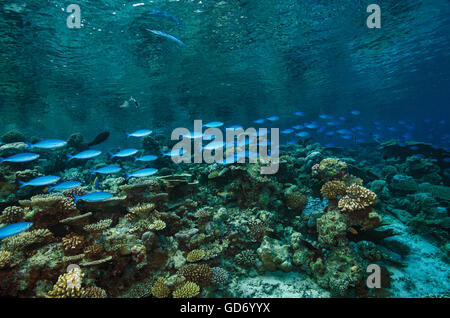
(299, 114)
(93, 197)
(303, 134)
(298, 127)
(106, 170)
(194, 135)
(87, 154)
(124, 153)
(273, 118)
(49, 144)
(65, 185)
(175, 152)
(355, 112)
(21, 157)
(146, 158)
(139, 133)
(312, 125)
(214, 124)
(40, 181)
(259, 121)
(142, 173)
(168, 36)
(14, 229)
(287, 131)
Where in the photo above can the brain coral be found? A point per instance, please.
(357, 198)
(188, 290)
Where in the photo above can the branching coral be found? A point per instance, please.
(94, 292)
(26, 239)
(330, 169)
(219, 276)
(12, 214)
(94, 251)
(200, 274)
(296, 201)
(357, 198)
(160, 289)
(195, 255)
(188, 290)
(333, 189)
(246, 258)
(73, 243)
(68, 285)
(98, 227)
(258, 229)
(157, 225)
(143, 208)
(6, 259)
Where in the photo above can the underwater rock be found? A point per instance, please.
(12, 136)
(274, 255)
(403, 184)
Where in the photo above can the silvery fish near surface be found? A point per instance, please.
(21, 157)
(93, 197)
(139, 133)
(142, 173)
(146, 158)
(13, 229)
(49, 144)
(168, 36)
(124, 153)
(66, 185)
(87, 154)
(107, 170)
(40, 181)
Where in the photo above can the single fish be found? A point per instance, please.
(312, 126)
(87, 154)
(168, 36)
(298, 127)
(14, 229)
(95, 183)
(172, 153)
(146, 158)
(93, 197)
(299, 114)
(259, 121)
(142, 173)
(124, 153)
(303, 134)
(287, 131)
(49, 144)
(40, 181)
(273, 118)
(214, 124)
(21, 157)
(106, 170)
(99, 139)
(139, 133)
(194, 135)
(355, 112)
(65, 185)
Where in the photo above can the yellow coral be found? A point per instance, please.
(72, 242)
(188, 290)
(142, 208)
(160, 290)
(333, 189)
(157, 225)
(68, 285)
(200, 274)
(195, 255)
(357, 198)
(5, 259)
(98, 227)
(26, 239)
(94, 292)
(12, 214)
